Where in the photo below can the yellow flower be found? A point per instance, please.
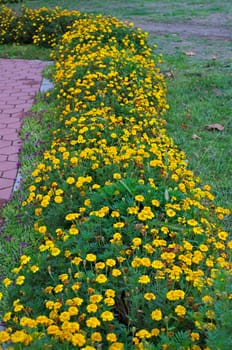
(42, 229)
(91, 257)
(55, 251)
(95, 298)
(58, 288)
(116, 346)
(143, 333)
(139, 198)
(58, 199)
(78, 339)
(175, 294)
(34, 268)
(101, 278)
(117, 176)
(180, 310)
(96, 337)
(171, 213)
(149, 296)
(144, 279)
(70, 180)
(157, 264)
(93, 322)
(107, 316)
(91, 308)
(156, 315)
(223, 235)
(111, 337)
(18, 337)
(116, 272)
(20, 280)
(110, 262)
(4, 337)
(53, 330)
(195, 336)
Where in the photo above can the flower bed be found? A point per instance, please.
(130, 253)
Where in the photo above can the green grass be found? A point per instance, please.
(199, 87)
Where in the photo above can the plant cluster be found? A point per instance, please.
(42, 27)
(129, 250)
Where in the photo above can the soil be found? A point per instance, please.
(209, 36)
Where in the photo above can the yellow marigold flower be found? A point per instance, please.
(156, 315)
(110, 262)
(171, 213)
(155, 202)
(109, 301)
(4, 336)
(175, 294)
(24, 259)
(96, 337)
(78, 339)
(73, 311)
(155, 332)
(195, 336)
(91, 308)
(58, 288)
(101, 278)
(34, 268)
(157, 264)
(70, 180)
(110, 293)
(107, 316)
(137, 241)
(95, 298)
(192, 222)
(223, 235)
(139, 198)
(43, 320)
(111, 337)
(119, 225)
(115, 214)
(73, 231)
(180, 310)
(146, 214)
(58, 199)
(28, 322)
(144, 279)
(117, 176)
(93, 322)
(116, 272)
(143, 333)
(55, 251)
(42, 229)
(116, 346)
(146, 262)
(20, 280)
(149, 296)
(64, 316)
(18, 337)
(76, 260)
(91, 257)
(7, 316)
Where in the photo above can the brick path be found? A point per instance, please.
(20, 81)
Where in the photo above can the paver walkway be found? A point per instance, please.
(20, 81)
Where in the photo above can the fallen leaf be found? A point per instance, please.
(188, 116)
(190, 53)
(184, 126)
(169, 74)
(196, 137)
(215, 126)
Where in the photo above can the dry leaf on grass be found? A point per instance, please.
(215, 126)
(190, 53)
(196, 137)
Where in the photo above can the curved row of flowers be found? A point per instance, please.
(129, 244)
